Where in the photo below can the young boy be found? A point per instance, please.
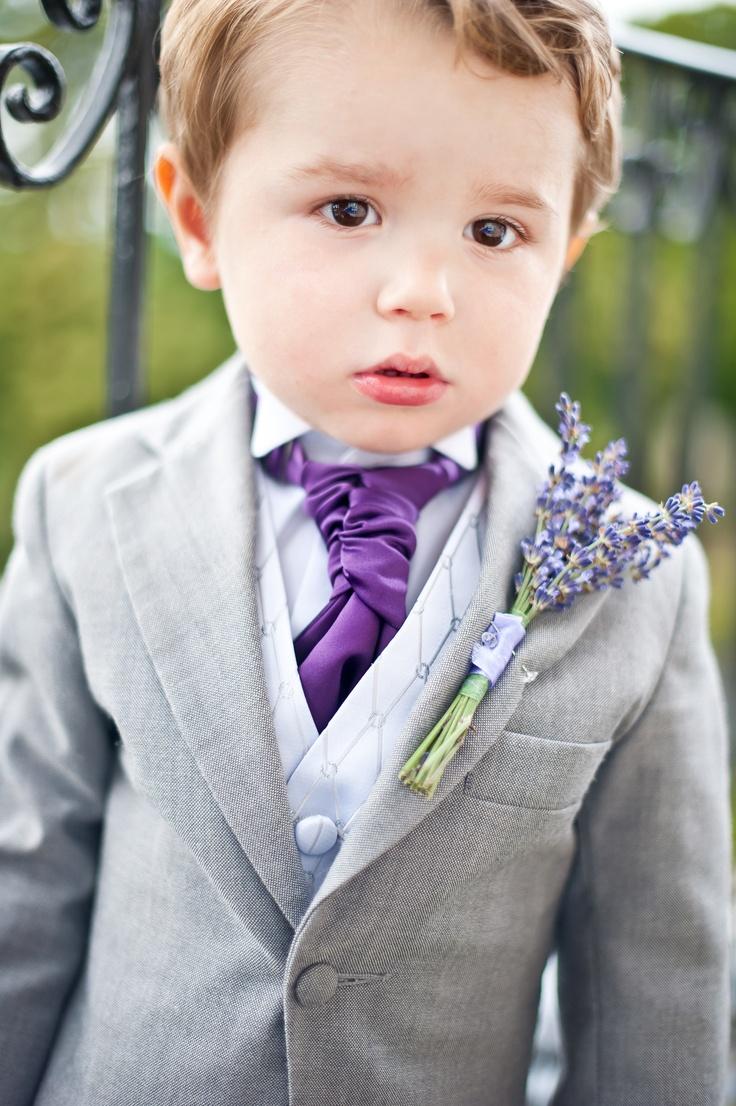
(229, 618)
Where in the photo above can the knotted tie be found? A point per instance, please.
(366, 517)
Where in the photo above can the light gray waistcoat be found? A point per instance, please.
(330, 775)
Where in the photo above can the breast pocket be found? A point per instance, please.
(537, 773)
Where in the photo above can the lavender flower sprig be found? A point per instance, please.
(575, 549)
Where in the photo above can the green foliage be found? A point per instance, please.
(715, 26)
(53, 333)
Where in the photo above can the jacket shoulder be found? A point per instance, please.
(94, 455)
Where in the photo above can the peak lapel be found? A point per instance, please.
(519, 449)
(185, 531)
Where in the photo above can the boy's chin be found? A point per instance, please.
(386, 440)
(387, 428)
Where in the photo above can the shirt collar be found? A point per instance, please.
(275, 423)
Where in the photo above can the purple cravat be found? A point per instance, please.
(366, 517)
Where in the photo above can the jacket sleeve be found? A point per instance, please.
(644, 926)
(55, 755)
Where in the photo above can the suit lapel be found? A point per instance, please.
(185, 531)
(185, 527)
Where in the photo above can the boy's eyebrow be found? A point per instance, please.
(385, 175)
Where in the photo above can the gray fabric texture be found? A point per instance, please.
(158, 942)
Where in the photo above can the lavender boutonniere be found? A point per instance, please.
(574, 549)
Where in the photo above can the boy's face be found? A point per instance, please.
(318, 288)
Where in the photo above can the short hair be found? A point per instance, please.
(212, 71)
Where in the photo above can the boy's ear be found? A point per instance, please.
(574, 250)
(186, 217)
(580, 240)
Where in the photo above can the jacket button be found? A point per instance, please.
(316, 985)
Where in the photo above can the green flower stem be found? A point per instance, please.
(531, 613)
(413, 761)
(525, 599)
(445, 736)
(522, 599)
(444, 740)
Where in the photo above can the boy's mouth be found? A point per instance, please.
(396, 372)
(401, 364)
(402, 381)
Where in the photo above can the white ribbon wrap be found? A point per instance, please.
(495, 649)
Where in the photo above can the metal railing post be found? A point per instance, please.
(125, 311)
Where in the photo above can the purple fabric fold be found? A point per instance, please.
(367, 519)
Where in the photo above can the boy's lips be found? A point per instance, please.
(402, 380)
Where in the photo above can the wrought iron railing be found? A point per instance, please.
(679, 186)
(124, 83)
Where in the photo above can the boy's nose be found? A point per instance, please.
(420, 293)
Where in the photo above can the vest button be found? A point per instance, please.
(316, 985)
(315, 834)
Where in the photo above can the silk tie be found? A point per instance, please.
(367, 519)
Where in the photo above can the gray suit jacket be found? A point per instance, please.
(158, 945)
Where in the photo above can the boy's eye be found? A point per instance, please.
(349, 208)
(496, 234)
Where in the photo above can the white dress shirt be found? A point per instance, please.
(301, 547)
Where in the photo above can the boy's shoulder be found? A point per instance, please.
(115, 447)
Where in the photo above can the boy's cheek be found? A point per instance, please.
(293, 309)
(511, 292)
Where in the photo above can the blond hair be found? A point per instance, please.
(212, 72)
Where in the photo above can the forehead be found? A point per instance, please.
(391, 91)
